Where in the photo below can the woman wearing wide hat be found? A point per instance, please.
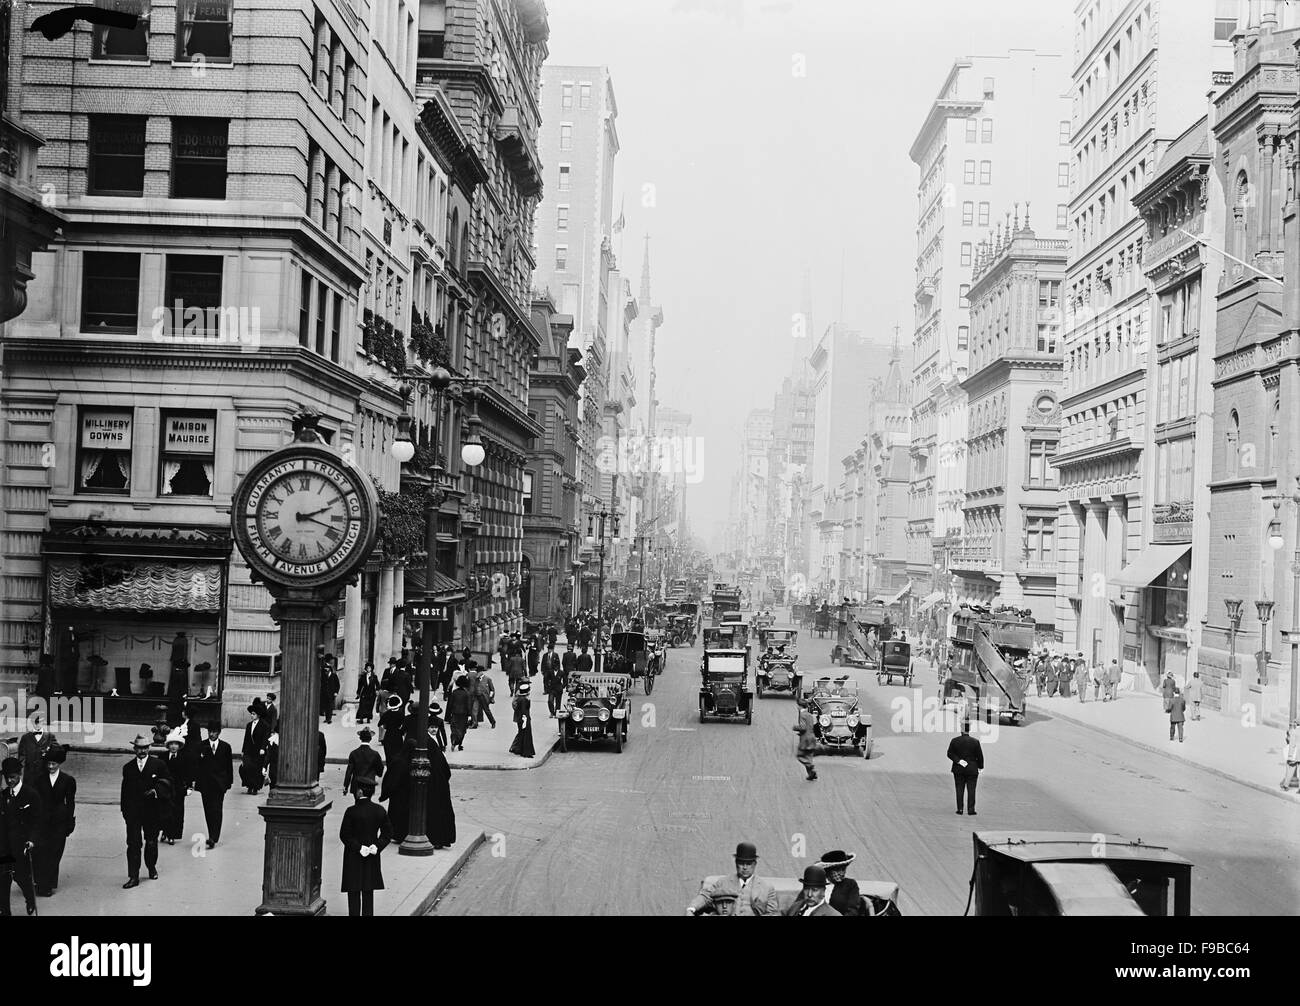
(523, 715)
(178, 767)
(392, 729)
(843, 894)
(257, 736)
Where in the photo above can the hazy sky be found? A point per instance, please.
(760, 174)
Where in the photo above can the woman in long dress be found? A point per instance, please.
(441, 820)
(523, 742)
(367, 691)
(396, 790)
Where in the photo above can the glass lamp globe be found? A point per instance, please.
(402, 450)
(472, 454)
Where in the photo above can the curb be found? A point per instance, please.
(537, 762)
(448, 876)
(1173, 757)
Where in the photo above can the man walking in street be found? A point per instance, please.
(1177, 714)
(458, 713)
(806, 728)
(213, 777)
(145, 788)
(58, 795)
(365, 834)
(487, 694)
(1167, 689)
(551, 680)
(967, 757)
(20, 835)
(329, 688)
(1113, 675)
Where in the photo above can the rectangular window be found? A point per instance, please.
(203, 31)
(967, 214)
(1225, 19)
(1063, 174)
(972, 131)
(1041, 453)
(322, 304)
(1162, 473)
(199, 148)
(566, 136)
(566, 177)
(528, 492)
(968, 173)
(561, 258)
(984, 215)
(335, 323)
(584, 95)
(965, 253)
(1049, 293)
(986, 131)
(193, 295)
(116, 155)
(963, 338)
(988, 87)
(110, 292)
(561, 218)
(1062, 216)
(1064, 136)
(122, 43)
(304, 311)
(187, 453)
(963, 295)
(104, 450)
(986, 172)
(566, 95)
(1047, 338)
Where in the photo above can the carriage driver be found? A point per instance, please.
(741, 894)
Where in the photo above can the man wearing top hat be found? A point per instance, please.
(145, 788)
(812, 899)
(363, 762)
(20, 835)
(365, 833)
(738, 894)
(58, 793)
(842, 893)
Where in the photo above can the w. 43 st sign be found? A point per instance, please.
(421, 611)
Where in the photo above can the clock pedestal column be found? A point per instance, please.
(295, 810)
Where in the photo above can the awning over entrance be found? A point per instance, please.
(1150, 563)
(930, 601)
(443, 588)
(135, 585)
(893, 598)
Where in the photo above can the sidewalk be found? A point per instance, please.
(1251, 755)
(485, 747)
(227, 880)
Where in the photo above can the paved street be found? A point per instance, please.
(596, 832)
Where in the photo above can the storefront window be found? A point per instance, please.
(187, 452)
(1169, 595)
(104, 451)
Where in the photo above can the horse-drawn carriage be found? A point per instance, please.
(636, 655)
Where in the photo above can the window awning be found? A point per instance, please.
(930, 601)
(892, 598)
(443, 588)
(135, 585)
(1150, 563)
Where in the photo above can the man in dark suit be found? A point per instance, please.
(812, 899)
(460, 706)
(552, 683)
(842, 894)
(214, 775)
(967, 759)
(145, 788)
(363, 762)
(365, 833)
(329, 688)
(58, 794)
(20, 835)
(584, 662)
(32, 747)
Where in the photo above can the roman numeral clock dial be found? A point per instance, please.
(303, 516)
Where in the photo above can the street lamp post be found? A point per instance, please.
(597, 524)
(1233, 604)
(1276, 540)
(402, 449)
(1265, 611)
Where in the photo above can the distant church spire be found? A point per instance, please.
(645, 273)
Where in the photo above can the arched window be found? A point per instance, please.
(1241, 216)
(1232, 449)
(464, 246)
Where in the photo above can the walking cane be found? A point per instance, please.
(31, 876)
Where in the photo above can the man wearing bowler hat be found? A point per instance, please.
(739, 894)
(58, 795)
(20, 835)
(812, 899)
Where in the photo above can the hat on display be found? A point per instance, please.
(836, 858)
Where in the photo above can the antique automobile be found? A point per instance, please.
(841, 724)
(778, 670)
(682, 630)
(597, 710)
(633, 654)
(1063, 873)
(799, 612)
(720, 637)
(822, 622)
(724, 691)
(763, 619)
(743, 631)
(895, 662)
(879, 897)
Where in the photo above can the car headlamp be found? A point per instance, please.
(603, 714)
(853, 719)
(824, 720)
(577, 714)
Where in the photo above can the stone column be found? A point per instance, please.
(350, 673)
(1094, 586)
(1116, 546)
(399, 598)
(383, 619)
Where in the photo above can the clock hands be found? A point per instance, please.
(313, 513)
(303, 516)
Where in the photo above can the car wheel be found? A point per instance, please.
(758, 690)
(749, 717)
(618, 739)
(866, 749)
(564, 739)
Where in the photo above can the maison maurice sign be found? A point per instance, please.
(418, 611)
(189, 435)
(106, 431)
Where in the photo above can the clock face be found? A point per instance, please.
(304, 518)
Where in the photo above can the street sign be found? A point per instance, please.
(419, 611)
